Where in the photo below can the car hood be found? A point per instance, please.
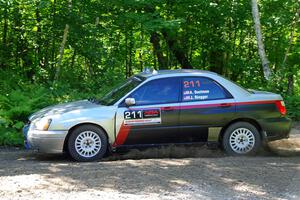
(63, 108)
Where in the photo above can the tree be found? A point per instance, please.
(261, 49)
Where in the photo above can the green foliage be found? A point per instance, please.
(19, 100)
(15, 107)
(293, 107)
(10, 137)
(18, 104)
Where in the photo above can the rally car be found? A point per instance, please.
(161, 107)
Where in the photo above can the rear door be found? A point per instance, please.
(204, 104)
(154, 119)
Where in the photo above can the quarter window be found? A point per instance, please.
(157, 92)
(201, 89)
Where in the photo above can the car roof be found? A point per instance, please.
(237, 91)
(175, 72)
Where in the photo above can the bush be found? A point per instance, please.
(19, 100)
(16, 105)
(10, 137)
(293, 107)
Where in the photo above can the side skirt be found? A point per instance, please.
(211, 145)
(212, 142)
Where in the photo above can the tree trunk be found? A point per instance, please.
(131, 45)
(294, 23)
(3, 48)
(216, 61)
(290, 89)
(260, 44)
(141, 49)
(61, 52)
(5, 25)
(126, 53)
(178, 52)
(162, 60)
(38, 35)
(73, 59)
(53, 37)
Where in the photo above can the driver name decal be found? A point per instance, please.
(192, 91)
(142, 117)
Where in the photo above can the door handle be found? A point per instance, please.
(225, 105)
(169, 108)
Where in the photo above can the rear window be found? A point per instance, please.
(201, 89)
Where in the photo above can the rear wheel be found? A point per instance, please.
(241, 138)
(87, 143)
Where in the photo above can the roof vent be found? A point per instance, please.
(149, 70)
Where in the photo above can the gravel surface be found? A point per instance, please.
(157, 173)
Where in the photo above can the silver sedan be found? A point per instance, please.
(159, 108)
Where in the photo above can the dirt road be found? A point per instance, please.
(152, 174)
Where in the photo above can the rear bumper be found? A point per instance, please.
(45, 141)
(276, 128)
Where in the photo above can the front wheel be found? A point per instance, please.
(241, 138)
(87, 143)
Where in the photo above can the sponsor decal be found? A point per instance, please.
(142, 117)
(153, 115)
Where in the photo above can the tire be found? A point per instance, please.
(241, 138)
(87, 143)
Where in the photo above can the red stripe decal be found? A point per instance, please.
(256, 102)
(218, 104)
(122, 135)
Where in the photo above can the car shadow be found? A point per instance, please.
(152, 171)
(162, 152)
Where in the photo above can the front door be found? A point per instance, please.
(154, 119)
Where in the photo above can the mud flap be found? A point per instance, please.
(213, 137)
(25, 132)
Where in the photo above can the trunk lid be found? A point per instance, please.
(264, 95)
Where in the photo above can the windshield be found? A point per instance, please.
(119, 91)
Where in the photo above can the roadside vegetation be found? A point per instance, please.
(58, 51)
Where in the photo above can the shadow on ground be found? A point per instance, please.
(153, 173)
(285, 147)
(290, 146)
(164, 152)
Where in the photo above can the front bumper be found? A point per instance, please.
(276, 128)
(44, 141)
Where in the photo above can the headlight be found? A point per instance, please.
(42, 124)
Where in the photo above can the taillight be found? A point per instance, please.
(281, 107)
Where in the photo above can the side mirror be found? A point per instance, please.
(130, 101)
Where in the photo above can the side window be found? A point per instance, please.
(157, 91)
(200, 89)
